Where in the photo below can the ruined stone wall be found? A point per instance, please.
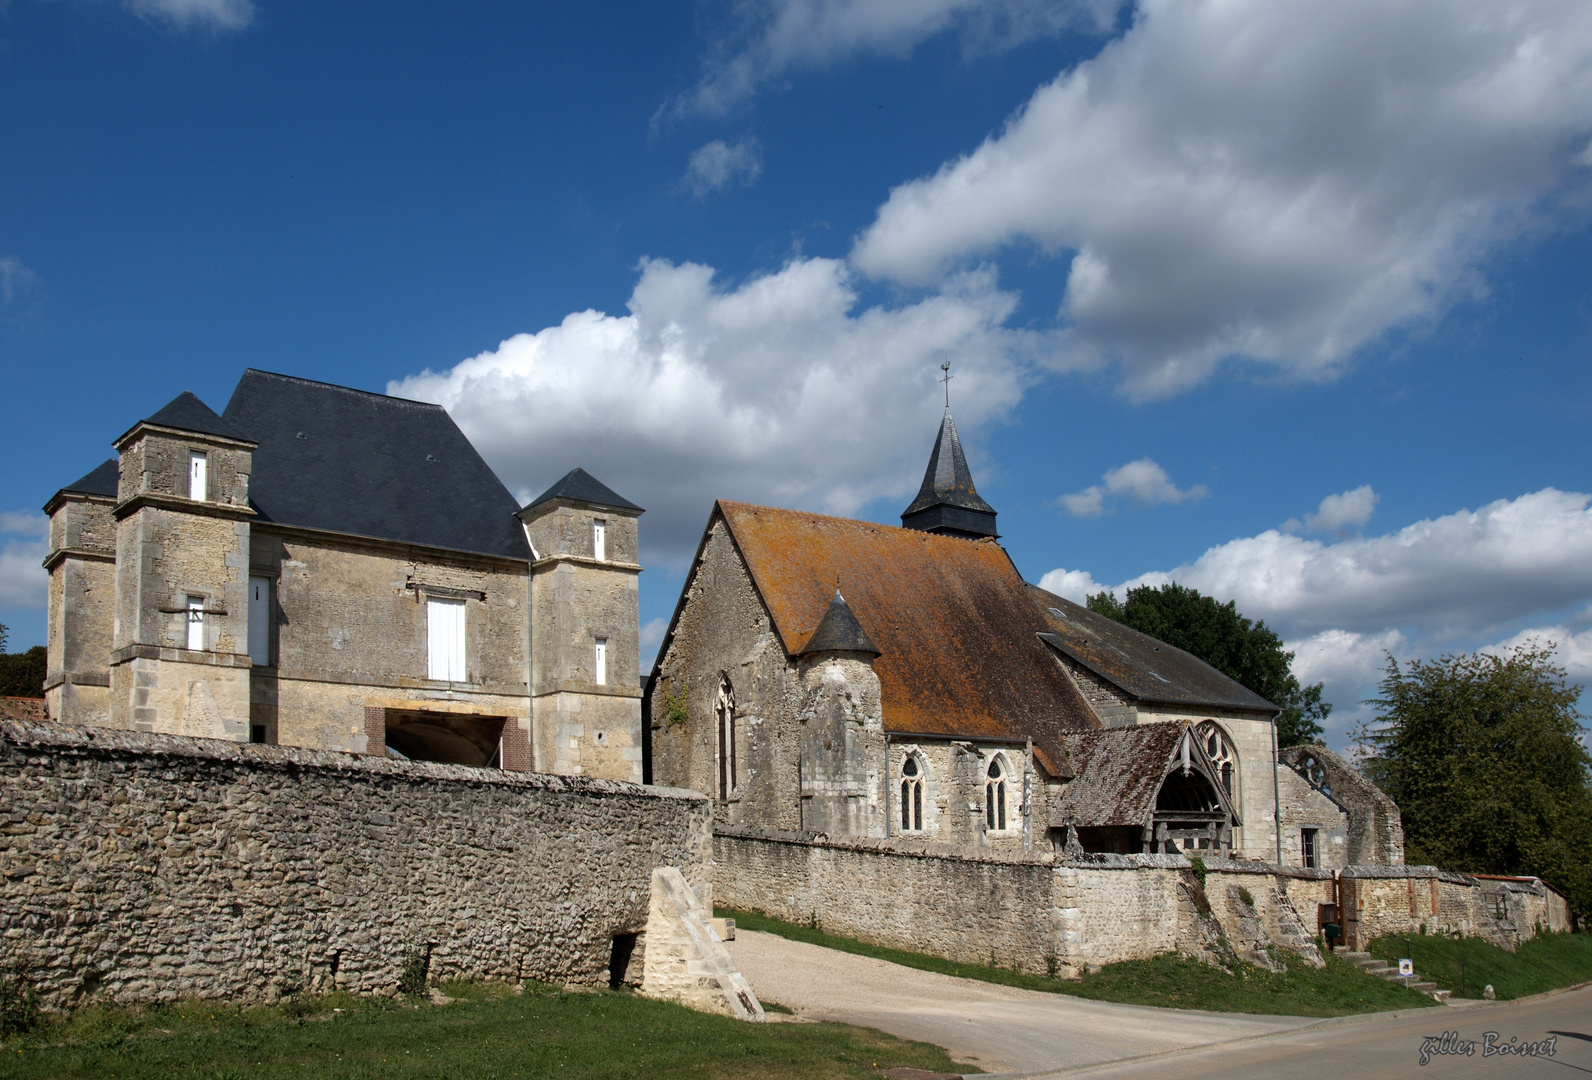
(150, 867)
(1113, 706)
(1304, 807)
(1375, 828)
(1401, 900)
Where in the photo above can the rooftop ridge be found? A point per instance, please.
(337, 386)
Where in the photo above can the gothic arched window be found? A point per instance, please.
(724, 715)
(911, 795)
(1219, 748)
(995, 794)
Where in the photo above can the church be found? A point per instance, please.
(835, 676)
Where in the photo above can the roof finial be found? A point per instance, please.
(946, 379)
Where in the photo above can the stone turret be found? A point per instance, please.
(585, 630)
(82, 569)
(180, 653)
(947, 503)
(841, 727)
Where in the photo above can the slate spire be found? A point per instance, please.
(947, 503)
(839, 631)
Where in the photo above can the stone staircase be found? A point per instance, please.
(1383, 970)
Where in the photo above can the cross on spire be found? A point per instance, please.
(946, 379)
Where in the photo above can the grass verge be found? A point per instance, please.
(1546, 962)
(488, 1033)
(1177, 982)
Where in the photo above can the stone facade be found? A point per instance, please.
(82, 606)
(147, 867)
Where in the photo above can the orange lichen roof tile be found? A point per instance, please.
(957, 634)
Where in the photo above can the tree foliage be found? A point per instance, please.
(1483, 755)
(21, 674)
(1249, 653)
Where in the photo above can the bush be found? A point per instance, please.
(19, 1006)
(22, 674)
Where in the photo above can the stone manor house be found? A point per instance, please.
(326, 568)
(855, 679)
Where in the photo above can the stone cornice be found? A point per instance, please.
(60, 555)
(161, 501)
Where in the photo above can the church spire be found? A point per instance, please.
(947, 503)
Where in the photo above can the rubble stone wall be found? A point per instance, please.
(146, 867)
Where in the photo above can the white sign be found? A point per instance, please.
(1406, 968)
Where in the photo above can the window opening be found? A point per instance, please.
(260, 621)
(1220, 750)
(599, 541)
(257, 733)
(911, 794)
(196, 623)
(1307, 845)
(601, 661)
(724, 713)
(995, 796)
(445, 639)
(198, 474)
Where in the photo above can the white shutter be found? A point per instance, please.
(602, 661)
(260, 621)
(599, 541)
(198, 470)
(196, 623)
(445, 639)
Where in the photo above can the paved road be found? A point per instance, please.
(1021, 1032)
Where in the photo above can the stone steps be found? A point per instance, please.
(1373, 965)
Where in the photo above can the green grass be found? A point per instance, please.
(1339, 989)
(1546, 962)
(488, 1033)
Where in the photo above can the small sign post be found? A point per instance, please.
(1406, 969)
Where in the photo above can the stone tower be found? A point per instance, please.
(585, 630)
(180, 650)
(947, 503)
(841, 727)
(82, 569)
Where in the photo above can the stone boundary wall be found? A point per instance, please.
(147, 867)
(1031, 911)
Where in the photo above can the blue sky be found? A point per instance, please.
(1199, 268)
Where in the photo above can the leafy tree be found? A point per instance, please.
(1249, 653)
(1483, 755)
(21, 674)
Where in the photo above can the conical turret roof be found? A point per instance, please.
(947, 502)
(839, 631)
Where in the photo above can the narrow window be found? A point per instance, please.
(257, 733)
(445, 639)
(602, 661)
(995, 796)
(911, 795)
(260, 621)
(599, 541)
(198, 474)
(724, 714)
(196, 623)
(1307, 845)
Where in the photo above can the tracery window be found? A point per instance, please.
(995, 795)
(911, 794)
(1220, 750)
(724, 715)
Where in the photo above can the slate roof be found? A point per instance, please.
(1149, 670)
(1118, 774)
(582, 486)
(839, 631)
(185, 412)
(948, 488)
(960, 655)
(105, 480)
(347, 461)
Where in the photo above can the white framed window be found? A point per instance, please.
(911, 795)
(600, 661)
(260, 621)
(599, 541)
(196, 623)
(444, 639)
(995, 795)
(198, 474)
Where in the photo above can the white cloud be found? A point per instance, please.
(1574, 650)
(21, 289)
(23, 582)
(1075, 585)
(1143, 481)
(776, 390)
(199, 14)
(1283, 181)
(717, 165)
(772, 38)
(651, 637)
(1338, 513)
